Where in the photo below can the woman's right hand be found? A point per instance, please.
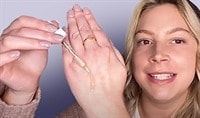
(23, 50)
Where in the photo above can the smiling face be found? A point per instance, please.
(165, 54)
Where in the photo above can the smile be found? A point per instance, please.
(165, 76)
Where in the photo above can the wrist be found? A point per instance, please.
(115, 110)
(17, 98)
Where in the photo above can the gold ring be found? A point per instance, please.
(89, 37)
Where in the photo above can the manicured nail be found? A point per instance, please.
(14, 54)
(70, 13)
(45, 44)
(51, 28)
(58, 37)
(53, 21)
(86, 10)
(77, 7)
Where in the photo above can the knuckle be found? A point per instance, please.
(75, 35)
(84, 27)
(22, 30)
(21, 19)
(47, 35)
(4, 42)
(4, 31)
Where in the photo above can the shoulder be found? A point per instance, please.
(74, 111)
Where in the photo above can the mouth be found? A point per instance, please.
(162, 76)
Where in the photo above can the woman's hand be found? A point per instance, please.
(23, 50)
(104, 65)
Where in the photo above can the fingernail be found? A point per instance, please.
(14, 54)
(70, 13)
(53, 21)
(77, 7)
(45, 44)
(51, 28)
(86, 10)
(58, 37)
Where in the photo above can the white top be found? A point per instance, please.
(136, 114)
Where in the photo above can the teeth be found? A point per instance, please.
(162, 76)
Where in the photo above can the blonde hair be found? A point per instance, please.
(132, 92)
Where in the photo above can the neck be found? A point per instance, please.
(152, 108)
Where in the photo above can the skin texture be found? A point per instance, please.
(26, 39)
(105, 63)
(164, 46)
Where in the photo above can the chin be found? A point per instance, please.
(160, 95)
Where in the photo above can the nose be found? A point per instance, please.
(159, 54)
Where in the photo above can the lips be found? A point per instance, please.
(162, 76)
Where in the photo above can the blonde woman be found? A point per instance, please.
(162, 59)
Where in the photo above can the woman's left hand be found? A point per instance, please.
(105, 64)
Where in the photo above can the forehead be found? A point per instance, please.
(162, 16)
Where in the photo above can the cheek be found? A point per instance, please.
(185, 64)
(139, 62)
(186, 59)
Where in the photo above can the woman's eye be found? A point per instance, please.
(144, 42)
(178, 41)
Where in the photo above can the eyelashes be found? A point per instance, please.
(178, 41)
(144, 42)
(147, 42)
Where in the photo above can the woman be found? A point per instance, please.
(163, 36)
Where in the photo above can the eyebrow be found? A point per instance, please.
(177, 29)
(144, 31)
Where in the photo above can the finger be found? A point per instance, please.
(84, 28)
(37, 34)
(71, 68)
(31, 22)
(21, 43)
(70, 63)
(8, 57)
(70, 50)
(54, 22)
(67, 57)
(91, 20)
(97, 31)
(74, 36)
(118, 54)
